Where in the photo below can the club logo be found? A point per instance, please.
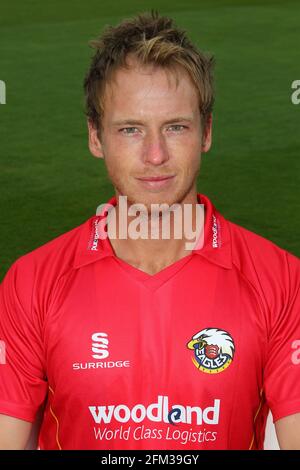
(213, 350)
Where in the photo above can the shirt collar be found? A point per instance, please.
(217, 241)
(216, 247)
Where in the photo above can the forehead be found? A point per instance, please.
(140, 88)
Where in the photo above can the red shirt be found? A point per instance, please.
(192, 357)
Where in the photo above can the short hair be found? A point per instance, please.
(151, 39)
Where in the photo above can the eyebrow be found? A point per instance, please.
(135, 122)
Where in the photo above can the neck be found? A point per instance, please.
(151, 241)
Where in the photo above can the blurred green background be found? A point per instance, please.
(50, 183)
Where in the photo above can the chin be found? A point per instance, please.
(138, 196)
(153, 198)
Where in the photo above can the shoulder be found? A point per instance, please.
(249, 248)
(41, 268)
(273, 272)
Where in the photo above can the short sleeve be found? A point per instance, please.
(282, 370)
(23, 384)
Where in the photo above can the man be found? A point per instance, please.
(131, 342)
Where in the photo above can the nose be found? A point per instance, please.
(155, 149)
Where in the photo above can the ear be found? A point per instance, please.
(95, 145)
(207, 137)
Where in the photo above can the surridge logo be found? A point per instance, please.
(213, 350)
(94, 240)
(100, 346)
(100, 352)
(157, 412)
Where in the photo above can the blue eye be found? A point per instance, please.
(177, 127)
(128, 130)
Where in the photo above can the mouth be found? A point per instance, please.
(156, 182)
(155, 178)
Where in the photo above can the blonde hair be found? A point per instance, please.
(151, 39)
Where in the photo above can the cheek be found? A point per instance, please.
(189, 158)
(188, 144)
(118, 165)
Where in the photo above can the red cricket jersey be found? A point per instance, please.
(192, 357)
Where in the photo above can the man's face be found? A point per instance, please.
(151, 128)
